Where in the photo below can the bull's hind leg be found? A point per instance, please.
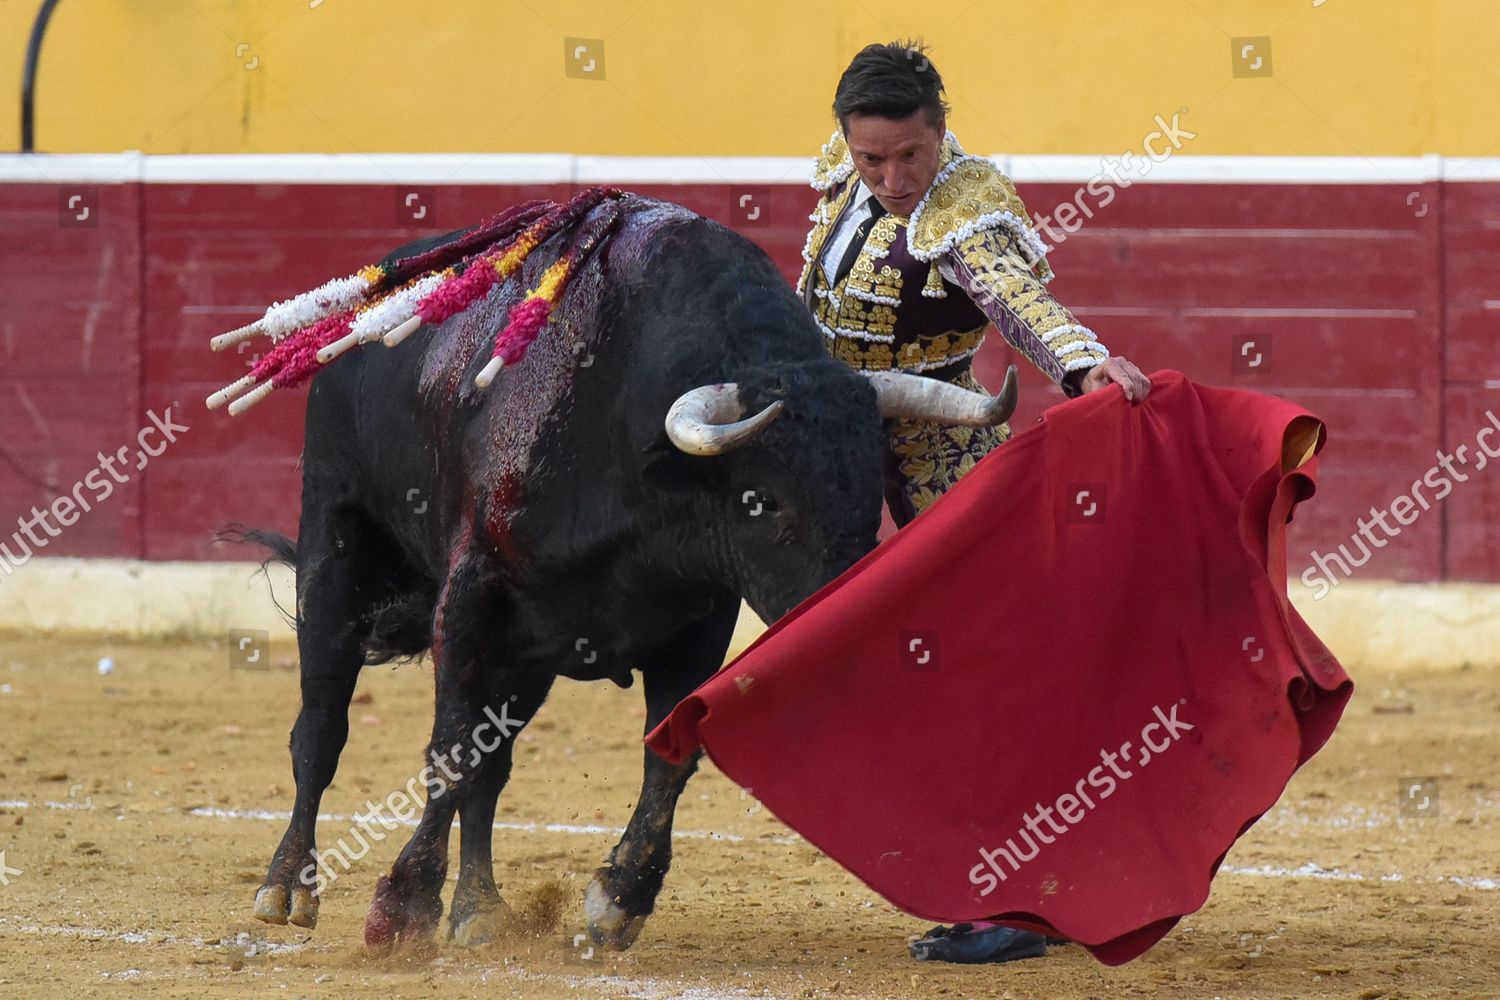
(480, 708)
(336, 558)
(623, 894)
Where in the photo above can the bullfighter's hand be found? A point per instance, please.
(1118, 371)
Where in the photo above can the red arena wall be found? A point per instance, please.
(1374, 304)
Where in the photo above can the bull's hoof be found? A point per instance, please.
(479, 916)
(479, 929)
(272, 904)
(304, 911)
(275, 905)
(609, 925)
(401, 917)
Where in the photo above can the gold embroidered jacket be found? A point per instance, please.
(925, 287)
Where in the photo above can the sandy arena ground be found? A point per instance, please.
(141, 809)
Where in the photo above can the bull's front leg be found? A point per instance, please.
(461, 763)
(476, 916)
(623, 893)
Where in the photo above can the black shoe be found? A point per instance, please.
(963, 944)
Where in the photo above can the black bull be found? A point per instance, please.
(561, 523)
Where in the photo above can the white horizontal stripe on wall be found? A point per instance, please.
(564, 168)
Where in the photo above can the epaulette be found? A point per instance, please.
(970, 195)
(833, 165)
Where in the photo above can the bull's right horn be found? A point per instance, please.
(706, 420)
(915, 397)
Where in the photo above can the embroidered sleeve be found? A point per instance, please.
(988, 266)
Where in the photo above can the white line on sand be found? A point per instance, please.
(1310, 870)
(1306, 870)
(148, 936)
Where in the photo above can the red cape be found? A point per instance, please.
(1115, 574)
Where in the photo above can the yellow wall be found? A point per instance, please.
(696, 77)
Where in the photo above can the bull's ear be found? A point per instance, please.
(667, 467)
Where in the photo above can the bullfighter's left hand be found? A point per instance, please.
(1118, 371)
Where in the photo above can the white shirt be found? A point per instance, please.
(855, 214)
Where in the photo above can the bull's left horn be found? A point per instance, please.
(913, 397)
(706, 420)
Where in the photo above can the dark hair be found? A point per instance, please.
(893, 81)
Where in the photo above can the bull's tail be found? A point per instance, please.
(283, 549)
(397, 625)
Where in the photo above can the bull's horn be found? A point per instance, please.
(706, 420)
(913, 397)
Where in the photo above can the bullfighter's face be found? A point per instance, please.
(897, 158)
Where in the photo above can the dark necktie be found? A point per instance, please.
(858, 242)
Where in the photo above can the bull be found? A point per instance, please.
(680, 439)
